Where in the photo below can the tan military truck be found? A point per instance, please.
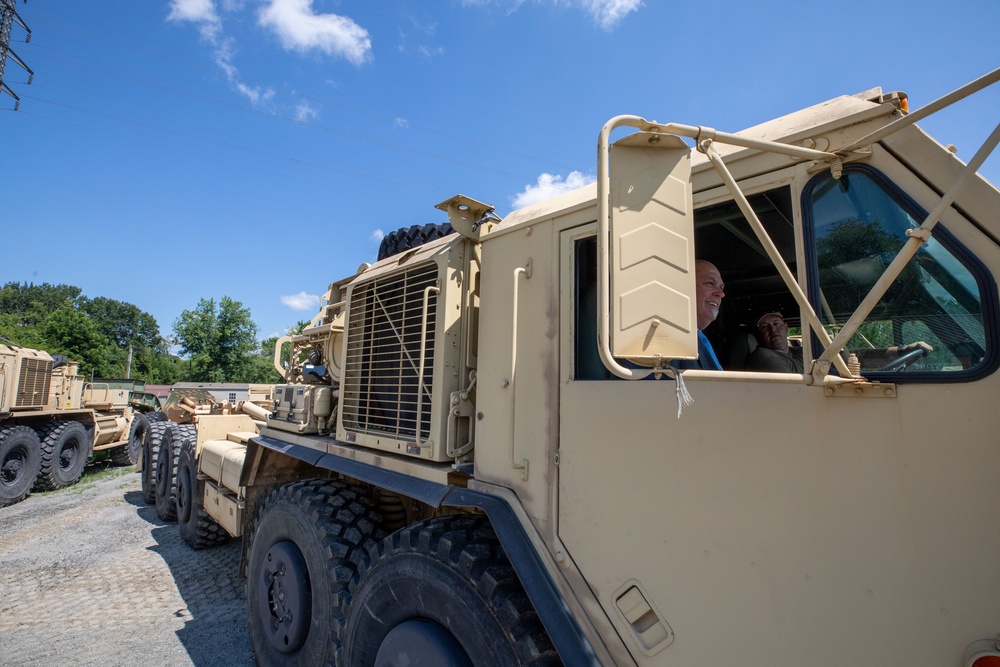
(190, 413)
(487, 452)
(52, 420)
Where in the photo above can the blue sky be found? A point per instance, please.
(169, 150)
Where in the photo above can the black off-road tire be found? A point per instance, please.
(197, 528)
(443, 592)
(150, 450)
(305, 545)
(167, 457)
(20, 462)
(65, 447)
(153, 417)
(406, 238)
(128, 454)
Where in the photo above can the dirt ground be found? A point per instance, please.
(89, 575)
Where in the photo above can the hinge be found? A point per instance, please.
(862, 390)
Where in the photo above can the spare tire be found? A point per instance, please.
(406, 238)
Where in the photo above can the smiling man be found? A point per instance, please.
(708, 300)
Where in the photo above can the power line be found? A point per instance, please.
(285, 119)
(319, 100)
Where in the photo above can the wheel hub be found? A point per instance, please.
(421, 642)
(11, 469)
(285, 605)
(161, 475)
(67, 457)
(183, 491)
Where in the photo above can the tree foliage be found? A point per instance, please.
(124, 324)
(70, 332)
(219, 339)
(98, 332)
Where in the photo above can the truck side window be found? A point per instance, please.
(587, 359)
(859, 223)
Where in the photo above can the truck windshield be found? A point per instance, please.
(859, 223)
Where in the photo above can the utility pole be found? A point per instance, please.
(7, 20)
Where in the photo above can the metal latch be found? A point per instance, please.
(649, 628)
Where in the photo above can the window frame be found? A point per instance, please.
(984, 279)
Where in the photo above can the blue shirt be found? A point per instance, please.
(706, 361)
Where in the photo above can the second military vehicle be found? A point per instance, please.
(52, 420)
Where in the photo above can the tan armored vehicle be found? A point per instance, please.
(492, 449)
(51, 421)
(188, 415)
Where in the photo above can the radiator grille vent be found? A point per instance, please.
(33, 383)
(381, 390)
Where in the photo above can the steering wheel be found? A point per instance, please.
(900, 362)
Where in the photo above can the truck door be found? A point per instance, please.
(775, 521)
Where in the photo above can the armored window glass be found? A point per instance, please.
(931, 319)
(587, 359)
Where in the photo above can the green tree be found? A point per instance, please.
(60, 319)
(18, 333)
(157, 367)
(262, 364)
(70, 332)
(31, 303)
(124, 323)
(218, 339)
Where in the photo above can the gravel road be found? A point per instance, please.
(89, 575)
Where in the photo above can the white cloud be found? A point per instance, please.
(606, 13)
(430, 51)
(378, 235)
(200, 12)
(301, 29)
(305, 112)
(549, 186)
(401, 123)
(301, 301)
(203, 14)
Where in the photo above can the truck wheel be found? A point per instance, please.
(442, 592)
(65, 448)
(128, 454)
(20, 462)
(165, 473)
(305, 542)
(153, 417)
(403, 239)
(197, 528)
(150, 450)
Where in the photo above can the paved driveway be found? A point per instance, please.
(89, 575)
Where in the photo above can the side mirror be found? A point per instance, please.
(646, 308)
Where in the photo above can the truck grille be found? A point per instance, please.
(382, 387)
(33, 383)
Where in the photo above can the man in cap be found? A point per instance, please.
(773, 354)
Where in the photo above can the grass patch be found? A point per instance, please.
(96, 471)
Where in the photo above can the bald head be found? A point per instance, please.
(708, 292)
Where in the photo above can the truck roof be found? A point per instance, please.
(835, 114)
